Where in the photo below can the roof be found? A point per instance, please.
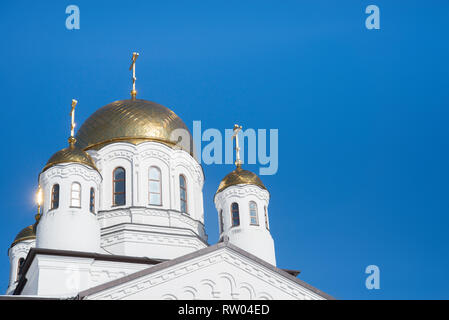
(169, 263)
(27, 233)
(70, 154)
(240, 176)
(133, 121)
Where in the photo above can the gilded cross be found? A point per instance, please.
(237, 128)
(72, 115)
(133, 68)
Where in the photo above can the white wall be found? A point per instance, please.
(150, 241)
(137, 160)
(67, 227)
(255, 239)
(15, 253)
(60, 276)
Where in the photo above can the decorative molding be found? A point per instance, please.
(118, 154)
(195, 225)
(70, 169)
(242, 191)
(134, 236)
(98, 276)
(146, 282)
(156, 154)
(22, 247)
(101, 215)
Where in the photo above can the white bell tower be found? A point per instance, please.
(242, 204)
(70, 184)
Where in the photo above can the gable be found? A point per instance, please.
(222, 273)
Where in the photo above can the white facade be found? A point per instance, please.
(71, 225)
(139, 228)
(252, 232)
(219, 272)
(17, 254)
(57, 276)
(130, 225)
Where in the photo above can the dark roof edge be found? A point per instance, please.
(81, 295)
(294, 273)
(29, 298)
(79, 254)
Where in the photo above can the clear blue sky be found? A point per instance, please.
(362, 116)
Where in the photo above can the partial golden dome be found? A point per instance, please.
(133, 121)
(70, 154)
(240, 176)
(27, 233)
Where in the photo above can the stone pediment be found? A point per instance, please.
(222, 271)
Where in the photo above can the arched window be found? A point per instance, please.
(92, 200)
(254, 220)
(119, 187)
(183, 193)
(154, 186)
(235, 214)
(266, 218)
(55, 196)
(20, 266)
(75, 200)
(220, 222)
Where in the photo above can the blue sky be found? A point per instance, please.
(362, 116)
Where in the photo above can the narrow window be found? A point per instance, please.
(55, 196)
(235, 214)
(119, 194)
(253, 213)
(183, 193)
(92, 201)
(220, 217)
(266, 218)
(154, 187)
(76, 195)
(20, 266)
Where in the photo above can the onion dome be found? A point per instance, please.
(27, 233)
(133, 121)
(70, 154)
(240, 176)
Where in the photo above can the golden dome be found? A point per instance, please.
(70, 154)
(27, 233)
(240, 176)
(132, 121)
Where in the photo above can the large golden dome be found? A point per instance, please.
(132, 121)
(240, 176)
(70, 154)
(27, 233)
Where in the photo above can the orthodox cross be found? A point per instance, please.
(133, 67)
(72, 115)
(237, 128)
(72, 125)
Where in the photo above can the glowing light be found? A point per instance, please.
(39, 196)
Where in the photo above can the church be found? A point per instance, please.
(120, 216)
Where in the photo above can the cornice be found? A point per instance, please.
(242, 191)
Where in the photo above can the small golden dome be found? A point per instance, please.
(240, 176)
(27, 233)
(132, 121)
(70, 154)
